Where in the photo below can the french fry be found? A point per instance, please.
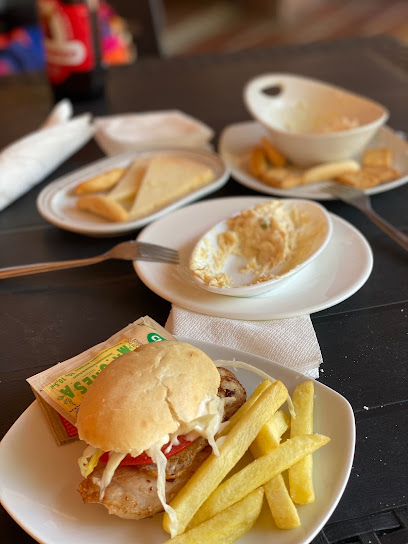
(275, 157)
(284, 512)
(214, 469)
(269, 436)
(330, 170)
(301, 474)
(101, 182)
(258, 473)
(104, 206)
(228, 525)
(282, 178)
(244, 408)
(258, 162)
(281, 505)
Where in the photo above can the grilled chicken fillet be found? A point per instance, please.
(132, 493)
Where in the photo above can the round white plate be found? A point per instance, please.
(56, 203)
(38, 479)
(337, 273)
(237, 140)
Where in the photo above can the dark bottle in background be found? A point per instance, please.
(72, 48)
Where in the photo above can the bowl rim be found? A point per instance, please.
(382, 117)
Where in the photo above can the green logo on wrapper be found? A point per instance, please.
(154, 337)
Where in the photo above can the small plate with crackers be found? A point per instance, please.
(120, 194)
(261, 166)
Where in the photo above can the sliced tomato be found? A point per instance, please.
(144, 459)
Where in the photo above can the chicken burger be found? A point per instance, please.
(150, 419)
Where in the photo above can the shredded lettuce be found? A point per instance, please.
(114, 461)
(160, 459)
(207, 424)
(89, 459)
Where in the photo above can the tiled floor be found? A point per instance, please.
(205, 26)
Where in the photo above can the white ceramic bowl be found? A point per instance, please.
(312, 122)
(316, 229)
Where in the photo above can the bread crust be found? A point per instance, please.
(144, 395)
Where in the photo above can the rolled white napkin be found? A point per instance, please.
(289, 342)
(60, 113)
(28, 161)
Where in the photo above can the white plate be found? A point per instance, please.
(317, 220)
(337, 273)
(56, 203)
(39, 479)
(237, 140)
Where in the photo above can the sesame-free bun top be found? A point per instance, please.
(144, 395)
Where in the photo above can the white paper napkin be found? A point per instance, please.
(28, 161)
(290, 342)
(150, 130)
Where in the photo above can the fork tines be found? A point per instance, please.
(154, 252)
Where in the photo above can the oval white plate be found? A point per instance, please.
(56, 203)
(338, 272)
(238, 139)
(242, 287)
(38, 479)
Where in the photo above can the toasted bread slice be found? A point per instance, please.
(130, 181)
(167, 179)
(101, 182)
(103, 206)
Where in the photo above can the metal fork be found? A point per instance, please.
(362, 202)
(129, 251)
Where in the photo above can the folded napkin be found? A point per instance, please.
(150, 130)
(289, 342)
(28, 161)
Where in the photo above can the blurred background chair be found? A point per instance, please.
(139, 28)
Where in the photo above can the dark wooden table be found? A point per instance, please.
(364, 340)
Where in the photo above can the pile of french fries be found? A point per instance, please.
(267, 164)
(216, 507)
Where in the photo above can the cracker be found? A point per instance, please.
(103, 206)
(368, 177)
(377, 157)
(101, 182)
